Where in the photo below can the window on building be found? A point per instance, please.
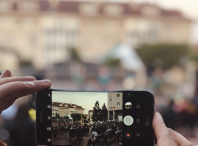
(28, 6)
(66, 105)
(118, 103)
(74, 106)
(110, 105)
(88, 8)
(110, 98)
(150, 11)
(113, 9)
(60, 105)
(5, 6)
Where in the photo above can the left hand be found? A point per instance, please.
(12, 88)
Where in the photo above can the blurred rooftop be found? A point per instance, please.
(89, 7)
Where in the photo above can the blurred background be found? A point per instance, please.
(102, 46)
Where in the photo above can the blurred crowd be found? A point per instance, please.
(179, 112)
(105, 133)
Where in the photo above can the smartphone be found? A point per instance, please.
(94, 118)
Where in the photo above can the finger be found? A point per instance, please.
(2, 144)
(6, 73)
(14, 79)
(179, 139)
(11, 91)
(162, 133)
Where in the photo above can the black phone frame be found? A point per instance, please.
(44, 99)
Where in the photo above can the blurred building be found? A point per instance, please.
(42, 32)
(64, 109)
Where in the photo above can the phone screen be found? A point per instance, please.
(87, 118)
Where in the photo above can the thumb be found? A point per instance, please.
(163, 134)
(2, 144)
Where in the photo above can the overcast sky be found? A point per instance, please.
(85, 99)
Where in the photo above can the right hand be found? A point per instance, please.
(166, 136)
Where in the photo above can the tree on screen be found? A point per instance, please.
(57, 115)
(97, 115)
(104, 112)
(76, 117)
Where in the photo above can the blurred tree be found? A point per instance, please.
(25, 63)
(74, 55)
(194, 56)
(162, 55)
(113, 62)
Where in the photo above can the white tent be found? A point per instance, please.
(128, 57)
(129, 61)
(68, 116)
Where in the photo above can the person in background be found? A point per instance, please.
(12, 88)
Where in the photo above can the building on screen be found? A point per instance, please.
(64, 109)
(114, 106)
(90, 113)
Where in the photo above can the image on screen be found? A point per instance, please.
(87, 118)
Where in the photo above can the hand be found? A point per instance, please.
(12, 88)
(166, 136)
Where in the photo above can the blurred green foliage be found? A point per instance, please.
(74, 55)
(76, 116)
(25, 63)
(112, 62)
(164, 56)
(194, 56)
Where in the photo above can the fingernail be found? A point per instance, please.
(46, 81)
(30, 78)
(29, 84)
(4, 73)
(159, 116)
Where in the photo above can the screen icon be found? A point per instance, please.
(128, 135)
(48, 128)
(48, 117)
(128, 105)
(49, 140)
(138, 120)
(147, 123)
(49, 106)
(137, 106)
(137, 134)
(128, 120)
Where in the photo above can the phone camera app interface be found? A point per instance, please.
(88, 118)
